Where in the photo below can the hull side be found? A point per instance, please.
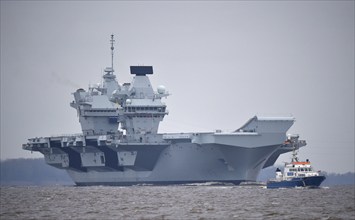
(313, 181)
(182, 163)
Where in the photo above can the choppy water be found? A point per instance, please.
(176, 202)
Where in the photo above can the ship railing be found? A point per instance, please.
(67, 135)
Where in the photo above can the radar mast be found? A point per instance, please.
(109, 70)
(112, 48)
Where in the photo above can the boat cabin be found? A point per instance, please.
(296, 169)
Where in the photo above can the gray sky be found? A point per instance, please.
(223, 62)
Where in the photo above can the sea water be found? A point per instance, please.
(176, 202)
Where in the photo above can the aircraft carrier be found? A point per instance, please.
(120, 143)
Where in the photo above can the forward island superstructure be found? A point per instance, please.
(120, 143)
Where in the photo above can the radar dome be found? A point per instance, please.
(128, 101)
(161, 89)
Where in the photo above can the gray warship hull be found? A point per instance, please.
(180, 158)
(186, 163)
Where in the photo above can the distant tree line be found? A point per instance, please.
(37, 172)
(31, 172)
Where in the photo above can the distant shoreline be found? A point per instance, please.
(35, 172)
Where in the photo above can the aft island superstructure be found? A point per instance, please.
(120, 143)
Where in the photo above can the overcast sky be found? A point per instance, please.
(223, 62)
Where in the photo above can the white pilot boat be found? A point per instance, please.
(296, 174)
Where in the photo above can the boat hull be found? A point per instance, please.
(184, 163)
(173, 158)
(310, 182)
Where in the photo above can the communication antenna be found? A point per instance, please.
(112, 48)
